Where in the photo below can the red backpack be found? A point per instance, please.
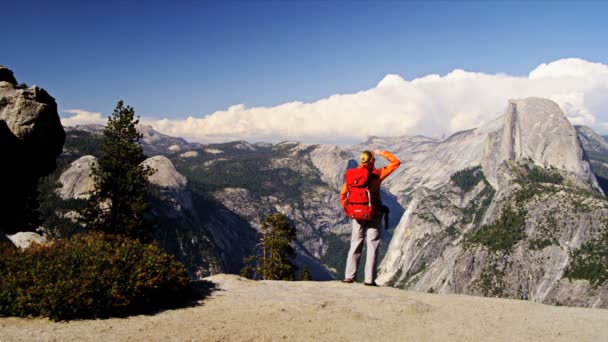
(359, 202)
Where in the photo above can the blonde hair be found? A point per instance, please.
(366, 157)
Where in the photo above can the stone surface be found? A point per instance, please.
(591, 141)
(189, 154)
(535, 129)
(77, 180)
(244, 310)
(173, 184)
(25, 239)
(429, 250)
(31, 137)
(426, 161)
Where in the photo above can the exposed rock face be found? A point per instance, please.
(535, 129)
(517, 231)
(77, 180)
(189, 154)
(178, 227)
(173, 184)
(153, 142)
(25, 239)
(165, 174)
(591, 141)
(332, 163)
(429, 162)
(31, 137)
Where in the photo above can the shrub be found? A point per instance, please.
(90, 276)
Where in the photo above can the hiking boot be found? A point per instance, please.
(348, 281)
(373, 283)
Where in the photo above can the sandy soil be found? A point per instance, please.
(244, 310)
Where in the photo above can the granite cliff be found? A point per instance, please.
(31, 137)
(528, 222)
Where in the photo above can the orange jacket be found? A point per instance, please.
(376, 177)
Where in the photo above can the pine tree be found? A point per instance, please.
(276, 251)
(305, 274)
(117, 204)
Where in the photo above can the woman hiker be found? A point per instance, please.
(369, 224)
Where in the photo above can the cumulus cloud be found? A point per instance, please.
(432, 105)
(82, 117)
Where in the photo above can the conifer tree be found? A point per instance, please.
(117, 204)
(305, 274)
(276, 251)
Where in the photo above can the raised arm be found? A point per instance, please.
(393, 163)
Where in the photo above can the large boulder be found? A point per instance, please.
(31, 137)
(26, 239)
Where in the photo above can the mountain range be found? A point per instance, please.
(513, 208)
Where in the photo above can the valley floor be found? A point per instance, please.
(244, 310)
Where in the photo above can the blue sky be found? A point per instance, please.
(192, 58)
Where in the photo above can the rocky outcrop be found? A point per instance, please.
(172, 184)
(189, 154)
(31, 137)
(152, 141)
(535, 129)
(25, 239)
(591, 141)
(6, 75)
(176, 225)
(332, 162)
(77, 180)
(429, 162)
(525, 224)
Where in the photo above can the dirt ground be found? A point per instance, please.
(244, 310)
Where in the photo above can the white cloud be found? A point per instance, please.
(83, 117)
(432, 105)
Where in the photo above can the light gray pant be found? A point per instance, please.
(361, 229)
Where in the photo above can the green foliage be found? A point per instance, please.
(274, 263)
(601, 173)
(89, 276)
(52, 207)
(530, 190)
(501, 235)
(590, 262)
(118, 203)
(478, 206)
(468, 178)
(305, 274)
(530, 173)
(547, 233)
(491, 281)
(601, 157)
(539, 244)
(84, 143)
(22, 85)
